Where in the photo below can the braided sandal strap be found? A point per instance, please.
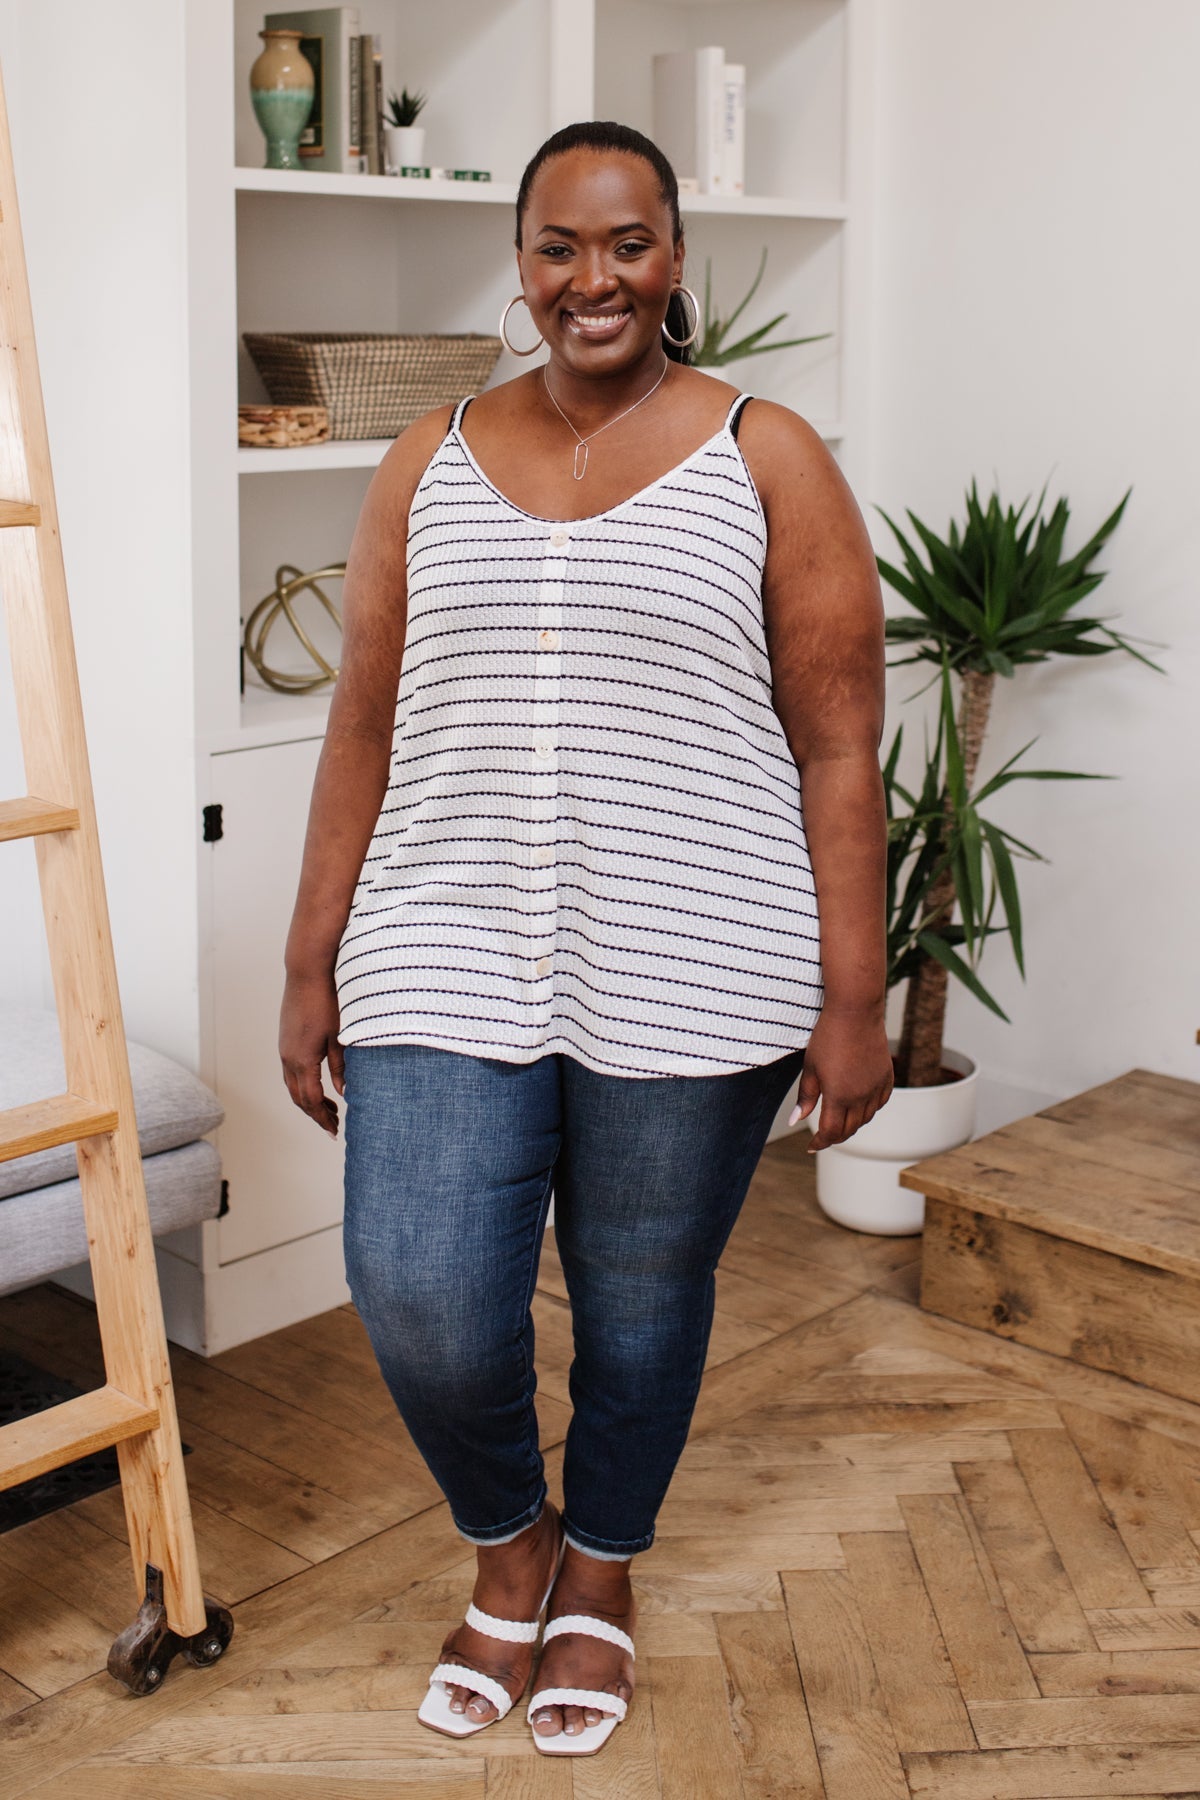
(512, 1631)
(589, 1627)
(458, 1675)
(600, 1702)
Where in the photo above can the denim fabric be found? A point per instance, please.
(450, 1162)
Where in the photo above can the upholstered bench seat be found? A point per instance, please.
(42, 1227)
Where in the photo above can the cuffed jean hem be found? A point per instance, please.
(604, 1550)
(504, 1534)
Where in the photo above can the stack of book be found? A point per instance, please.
(700, 119)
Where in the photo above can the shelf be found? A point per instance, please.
(368, 453)
(372, 187)
(762, 206)
(268, 718)
(504, 193)
(340, 453)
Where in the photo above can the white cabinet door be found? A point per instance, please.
(284, 1173)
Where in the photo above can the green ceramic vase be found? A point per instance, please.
(282, 87)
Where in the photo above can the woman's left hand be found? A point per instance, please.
(848, 1067)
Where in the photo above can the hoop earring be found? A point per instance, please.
(511, 348)
(682, 343)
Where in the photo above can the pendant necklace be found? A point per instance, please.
(579, 469)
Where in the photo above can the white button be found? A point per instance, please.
(544, 747)
(543, 965)
(543, 854)
(548, 640)
(559, 538)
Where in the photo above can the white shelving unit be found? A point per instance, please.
(269, 251)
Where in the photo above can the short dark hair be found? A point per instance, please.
(601, 135)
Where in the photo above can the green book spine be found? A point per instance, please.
(356, 98)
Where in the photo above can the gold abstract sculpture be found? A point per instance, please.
(290, 583)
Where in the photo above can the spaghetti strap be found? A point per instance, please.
(460, 409)
(734, 417)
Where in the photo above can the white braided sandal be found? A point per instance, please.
(435, 1708)
(592, 1737)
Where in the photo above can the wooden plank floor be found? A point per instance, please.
(901, 1558)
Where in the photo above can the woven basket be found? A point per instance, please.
(282, 427)
(372, 383)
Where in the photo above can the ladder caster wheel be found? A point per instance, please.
(142, 1654)
(209, 1645)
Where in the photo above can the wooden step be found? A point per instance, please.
(19, 512)
(72, 1429)
(30, 817)
(63, 1119)
(1078, 1230)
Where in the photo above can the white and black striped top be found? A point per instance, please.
(592, 839)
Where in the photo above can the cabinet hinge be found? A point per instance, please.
(214, 824)
(224, 1207)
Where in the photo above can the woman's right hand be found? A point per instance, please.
(308, 1036)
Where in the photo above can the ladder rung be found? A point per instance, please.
(19, 512)
(30, 817)
(73, 1428)
(64, 1119)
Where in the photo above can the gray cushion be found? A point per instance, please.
(43, 1231)
(172, 1106)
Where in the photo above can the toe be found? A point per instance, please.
(475, 1706)
(547, 1721)
(572, 1719)
(591, 1716)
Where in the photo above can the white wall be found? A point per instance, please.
(1038, 267)
(101, 187)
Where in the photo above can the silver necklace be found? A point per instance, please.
(579, 469)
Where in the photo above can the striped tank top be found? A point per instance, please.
(592, 839)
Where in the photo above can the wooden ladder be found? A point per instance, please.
(135, 1409)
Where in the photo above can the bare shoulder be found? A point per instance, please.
(789, 459)
(691, 380)
(408, 458)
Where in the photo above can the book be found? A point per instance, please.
(372, 104)
(325, 34)
(733, 130)
(356, 137)
(689, 105)
(380, 109)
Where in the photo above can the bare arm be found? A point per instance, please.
(824, 623)
(352, 774)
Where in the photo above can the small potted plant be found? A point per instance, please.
(995, 594)
(403, 137)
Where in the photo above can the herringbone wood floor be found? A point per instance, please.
(899, 1558)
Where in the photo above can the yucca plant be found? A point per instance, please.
(710, 351)
(404, 109)
(938, 843)
(991, 596)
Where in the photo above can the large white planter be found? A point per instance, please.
(858, 1182)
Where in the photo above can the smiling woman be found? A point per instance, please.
(595, 868)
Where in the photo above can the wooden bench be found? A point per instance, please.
(1078, 1230)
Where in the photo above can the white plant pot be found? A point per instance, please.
(858, 1182)
(404, 147)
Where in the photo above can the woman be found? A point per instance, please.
(560, 930)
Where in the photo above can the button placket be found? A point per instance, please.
(544, 758)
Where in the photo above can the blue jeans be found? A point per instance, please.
(450, 1160)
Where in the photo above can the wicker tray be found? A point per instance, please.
(372, 383)
(282, 427)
